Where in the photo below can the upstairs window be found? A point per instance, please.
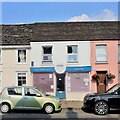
(47, 53)
(72, 53)
(119, 53)
(101, 53)
(21, 56)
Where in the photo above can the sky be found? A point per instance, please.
(30, 12)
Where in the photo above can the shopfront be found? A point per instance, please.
(43, 78)
(74, 80)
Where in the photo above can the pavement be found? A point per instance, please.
(71, 104)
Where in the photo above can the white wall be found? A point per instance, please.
(60, 53)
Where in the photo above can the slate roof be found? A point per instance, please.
(23, 34)
(17, 34)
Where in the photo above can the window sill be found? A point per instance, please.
(69, 62)
(101, 63)
(47, 62)
(22, 63)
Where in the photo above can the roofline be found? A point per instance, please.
(17, 24)
(15, 46)
(75, 40)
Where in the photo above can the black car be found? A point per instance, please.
(101, 103)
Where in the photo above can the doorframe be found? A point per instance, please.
(104, 71)
(57, 92)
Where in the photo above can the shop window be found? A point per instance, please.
(78, 82)
(44, 81)
(21, 78)
(21, 56)
(72, 53)
(119, 53)
(47, 53)
(101, 53)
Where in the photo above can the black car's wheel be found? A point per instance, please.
(48, 108)
(5, 108)
(101, 108)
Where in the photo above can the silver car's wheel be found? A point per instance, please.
(5, 108)
(49, 108)
(101, 108)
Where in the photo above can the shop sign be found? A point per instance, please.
(61, 69)
(79, 69)
(42, 69)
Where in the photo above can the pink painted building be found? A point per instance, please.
(104, 60)
(119, 61)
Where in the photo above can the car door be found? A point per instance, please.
(15, 96)
(32, 98)
(118, 98)
(114, 99)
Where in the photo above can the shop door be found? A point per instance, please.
(60, 92)
(101, 84)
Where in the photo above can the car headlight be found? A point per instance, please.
(86, 97)
(56, 99)
(90, 98)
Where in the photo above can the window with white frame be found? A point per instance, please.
(21, 78)
(47, 53)
(101, 53)
(0, 79)
(119, 53)
(72, 53)
(21, 56)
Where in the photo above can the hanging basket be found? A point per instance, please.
(95, 77)
(110, 76)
